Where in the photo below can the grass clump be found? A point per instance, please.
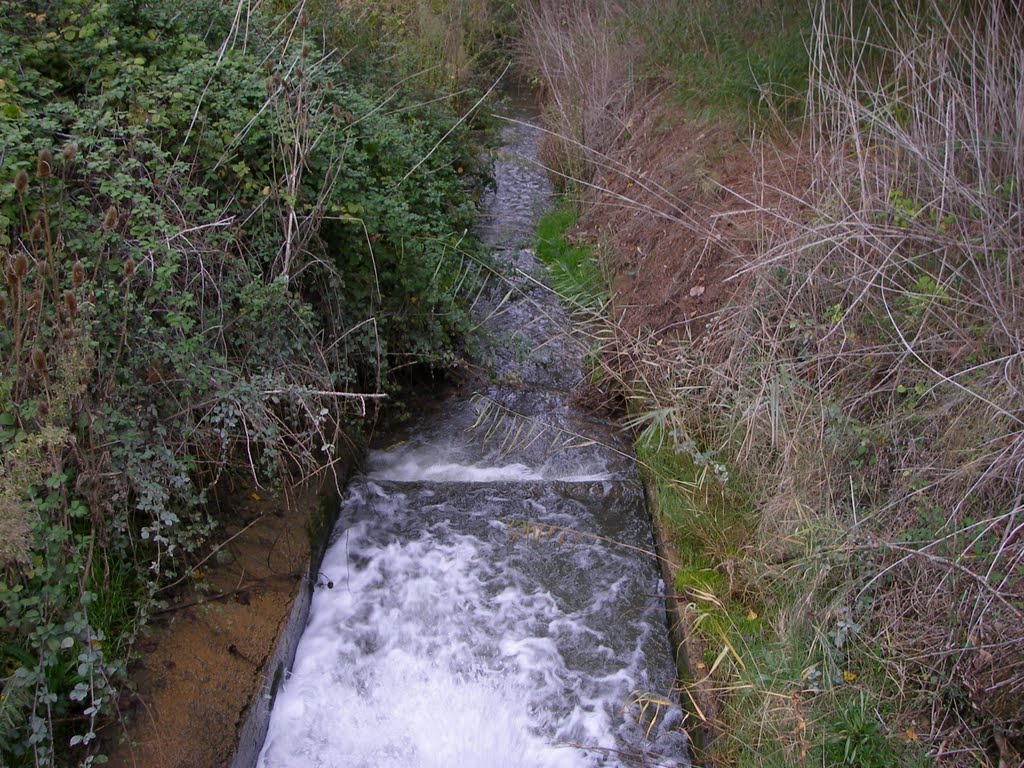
(729, 59)
(705, 512)
(770, 682)
(578, 56)
(575, 270)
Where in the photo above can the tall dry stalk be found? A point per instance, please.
(869, 383)
(584, 65)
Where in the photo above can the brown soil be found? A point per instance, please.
(678, 219)
(202, 658)
(680, 216)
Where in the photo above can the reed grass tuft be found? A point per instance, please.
(839, 456)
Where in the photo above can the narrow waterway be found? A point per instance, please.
(493, 603)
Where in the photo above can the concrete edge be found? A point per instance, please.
(253, 731)
(695, 695)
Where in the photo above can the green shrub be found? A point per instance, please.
(214, 255)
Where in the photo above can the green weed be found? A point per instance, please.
(575, 270)
(729, 59)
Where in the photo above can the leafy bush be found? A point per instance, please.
(218, 250)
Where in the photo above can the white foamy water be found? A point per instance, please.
(441, 464)
(444, 642)
(430, 465)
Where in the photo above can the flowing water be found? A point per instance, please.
(492, 600)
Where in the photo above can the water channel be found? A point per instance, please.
(492, 603)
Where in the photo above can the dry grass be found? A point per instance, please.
(869, 383)
(866, 387)
(584, 66)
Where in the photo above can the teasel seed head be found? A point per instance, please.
(110, 219)
(278, 79)
(336, 111)
(35, 301)
(303, 19)
(39, 361)
(77, 274)
(305, 51)
(129, 268)
(69, 153)
(35, 234)
(44, 164)
(20, 266)
(21, 182)
(43, 268)
(70, 303)
(299, 74)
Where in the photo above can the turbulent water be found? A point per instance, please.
(491, 601)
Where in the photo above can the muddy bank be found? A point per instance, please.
(204, 657)
(678, 207)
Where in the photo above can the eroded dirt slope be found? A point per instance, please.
(202, 658)
(681, 206)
